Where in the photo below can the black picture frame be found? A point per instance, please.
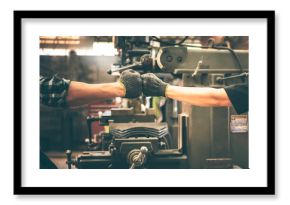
(268, 190)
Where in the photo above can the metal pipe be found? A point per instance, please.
(182, 70)
(127, 67)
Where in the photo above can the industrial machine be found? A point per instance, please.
(196, 137)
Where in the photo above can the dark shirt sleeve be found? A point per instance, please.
(53, 91)
(239, 97)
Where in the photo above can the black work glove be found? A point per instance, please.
(152, 85)
(132, 83)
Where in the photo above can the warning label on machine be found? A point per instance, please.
(239, 123)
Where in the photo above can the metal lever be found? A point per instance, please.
(127, 67)
(68, 158)
(242, 75)
(90, 120)
(197, 67)
(138, 160)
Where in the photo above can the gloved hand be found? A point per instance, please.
(132, 82)
(152, 85)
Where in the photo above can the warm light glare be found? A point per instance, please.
(60, 37)
(63, 42)
(99, 49)
(70, 40)
(104, 49)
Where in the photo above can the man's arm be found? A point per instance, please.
(199, 96)
(235, 95)
(83, 93)
(129, 86)
(59, 92)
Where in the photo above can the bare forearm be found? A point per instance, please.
(82, 93)
(199, 96)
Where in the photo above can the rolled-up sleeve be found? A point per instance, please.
(239, 97)
(53, 91)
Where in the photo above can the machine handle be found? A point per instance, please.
(138, 160)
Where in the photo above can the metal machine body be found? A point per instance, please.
(135, 145)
